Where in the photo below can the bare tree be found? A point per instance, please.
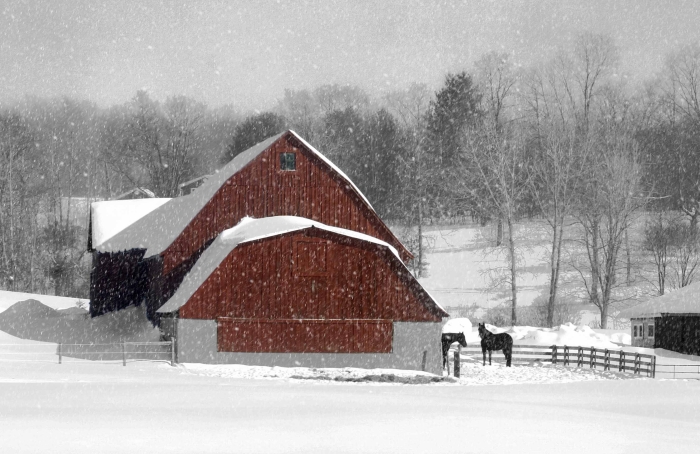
(610, 200)
(496, 78)
(16, 144)
(556, 174)
(495, 160)
(156, 146)
(411, 108)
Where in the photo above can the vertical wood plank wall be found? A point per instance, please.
(304, 336)
(261, 189)
(262, 280)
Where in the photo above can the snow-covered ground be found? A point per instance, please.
(87, 407)
(93, 407)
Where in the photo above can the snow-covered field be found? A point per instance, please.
(86, 407)
(103, 407)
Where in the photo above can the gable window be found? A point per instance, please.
(288, 161)
(634, 328)
(650, 332)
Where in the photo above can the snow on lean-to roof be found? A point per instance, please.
(157, 230)
(249, 229)
(112, 216)
(685, 300)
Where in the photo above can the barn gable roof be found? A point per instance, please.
(157, 230)
(685, 300)
(249, 230)
(109, 217)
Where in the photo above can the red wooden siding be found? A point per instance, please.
(304, 336)
(265, 279)
(261, 189)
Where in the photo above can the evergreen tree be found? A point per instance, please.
(253, 130)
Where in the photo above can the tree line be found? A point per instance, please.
(567, 141)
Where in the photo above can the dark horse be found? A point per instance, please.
(447, 340)
(491, 342)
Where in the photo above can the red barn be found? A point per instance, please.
(339, 276)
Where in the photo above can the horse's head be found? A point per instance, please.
(461, 339)
(482, 330)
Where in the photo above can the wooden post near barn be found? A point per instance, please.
(636, 363)
(425, 360)
(457, 365)
(59, 353)
(172, 352)
(554, 354)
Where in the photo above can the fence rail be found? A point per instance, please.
(590, 357)
(123, 352)
(683, 371)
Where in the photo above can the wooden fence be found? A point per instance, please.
(131, 351)
(679, 371)
(618, 360)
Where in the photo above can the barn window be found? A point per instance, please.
(288, 161)
(650, 331)
(634, 331)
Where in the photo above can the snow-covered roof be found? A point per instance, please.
(249, 229)
(143, 191)
(112, 216)
(333, 166)
(457, 325)
(685, 300)
(161, 227)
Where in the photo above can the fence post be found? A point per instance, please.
(123, 354)
(622, 361)
(457, 359)
(566, 355)
(59, 353)
(423, 363)
(579, 363)
(653, 366)
(593, 358)
(606, 360)
(554, 354)
(172, 352)
(636, 363)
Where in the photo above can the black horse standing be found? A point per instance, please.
(491, 342)
(447, 340)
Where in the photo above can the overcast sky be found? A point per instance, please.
(246, 53)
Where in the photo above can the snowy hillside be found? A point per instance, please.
(465, 269)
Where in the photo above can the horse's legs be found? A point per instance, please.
(508, 351)
(490, 351)
(445, 348)
(483, 351)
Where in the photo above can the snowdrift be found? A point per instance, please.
(34, 320)
(566, 334)
(8, 298)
